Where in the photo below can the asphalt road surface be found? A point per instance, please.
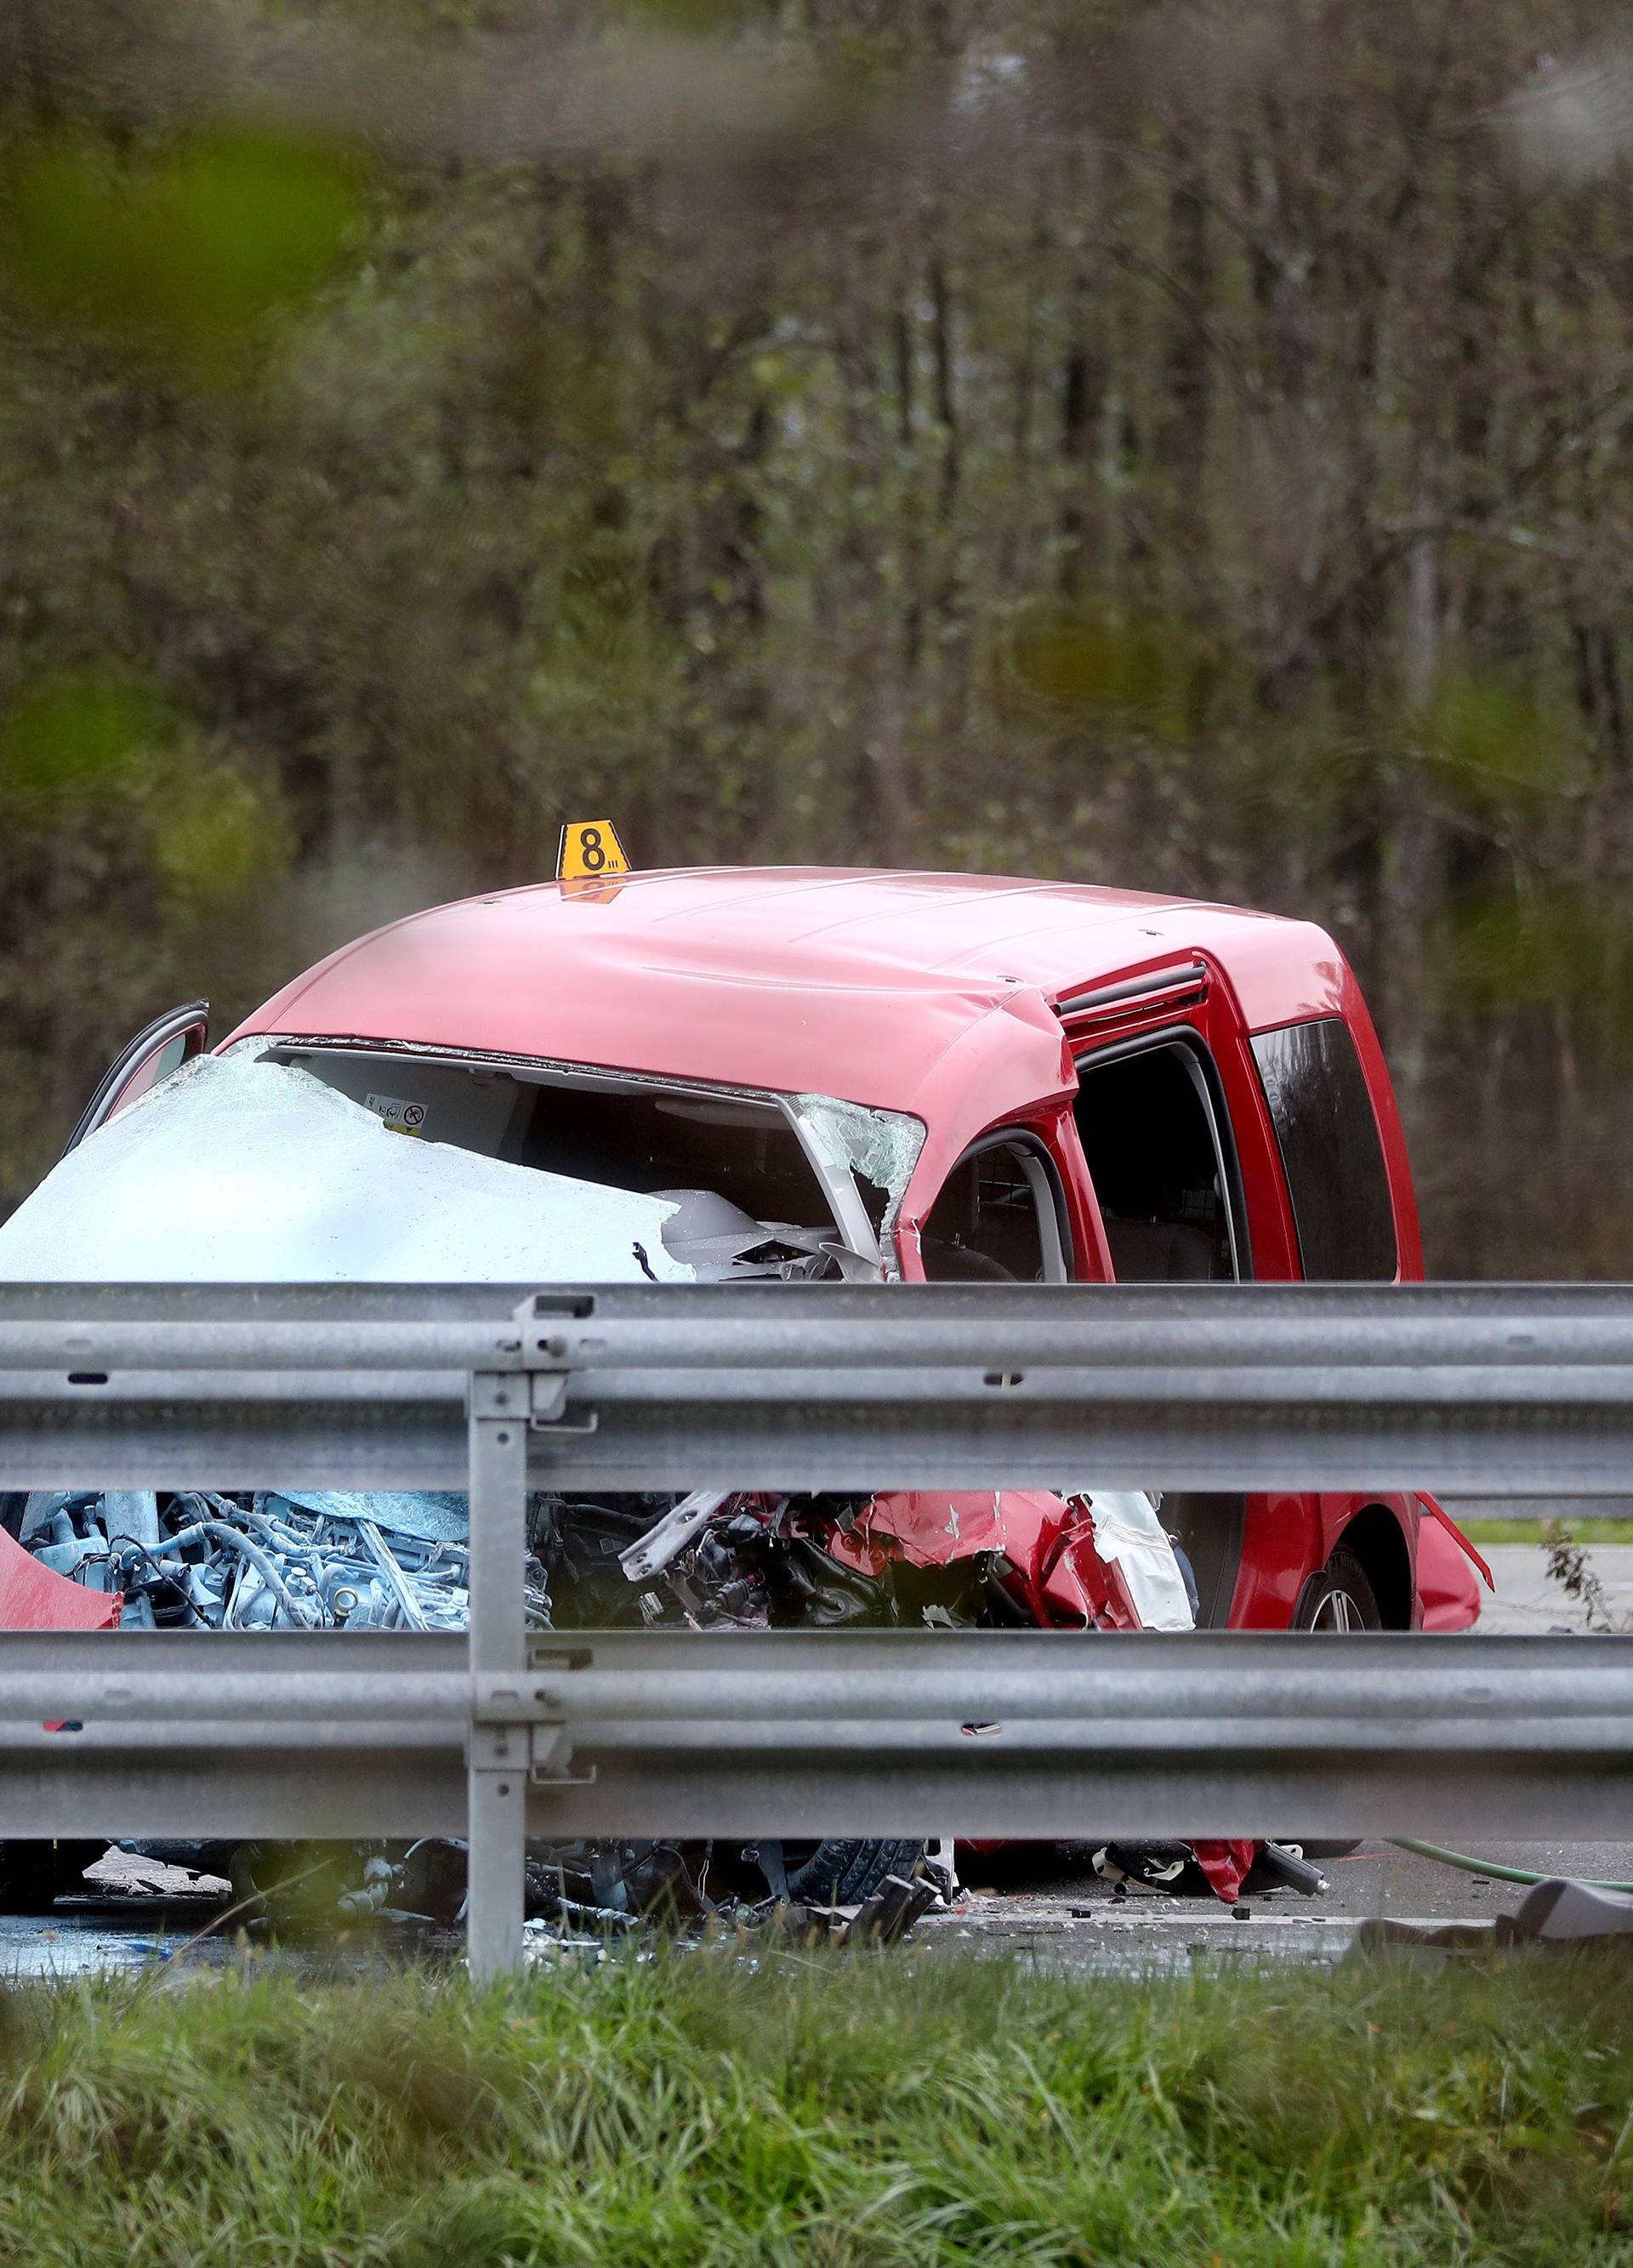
(1033, 1902)
(1527, 1600)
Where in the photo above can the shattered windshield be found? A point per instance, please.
(763, 1182)
(873, 1151)
(239, 1171)
(293, 1162)
(820, 1175)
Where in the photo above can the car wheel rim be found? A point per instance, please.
(1337, 1613)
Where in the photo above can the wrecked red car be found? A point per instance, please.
(788, 1073)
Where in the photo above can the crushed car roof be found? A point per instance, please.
(889, 989)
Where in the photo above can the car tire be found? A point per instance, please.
(1337, 1600)
(34, 1876)
(838, 1873)
(1342, 1579)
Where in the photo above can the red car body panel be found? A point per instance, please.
(1446, 1565)
(34, 1597)
(1047, 1539)
(931, 994)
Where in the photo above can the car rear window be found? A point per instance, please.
(1330, 1148)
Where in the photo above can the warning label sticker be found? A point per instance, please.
(398, 1115)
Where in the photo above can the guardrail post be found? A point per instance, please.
(499, 1753)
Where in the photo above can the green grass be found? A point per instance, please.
(832, 2112)
(1530, 1531)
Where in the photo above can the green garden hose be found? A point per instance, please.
(1488, 1866)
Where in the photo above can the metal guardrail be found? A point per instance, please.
(1499, 1390)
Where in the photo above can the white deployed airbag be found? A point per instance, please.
(1128, 1535)
(235, 1171)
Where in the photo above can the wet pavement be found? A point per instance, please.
(1091, 1931)
(90, 1938)
(1038, 1902)
(135, 1917)
(131, 1913)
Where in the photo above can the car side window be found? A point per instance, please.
(1334, 1158)
(1151, 1137)
(999, 1219)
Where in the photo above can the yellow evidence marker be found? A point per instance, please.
(590, 850)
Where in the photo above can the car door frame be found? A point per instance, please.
(191, 1018)
(1046, 1176)
(1216, 1104)
(1278, 1537)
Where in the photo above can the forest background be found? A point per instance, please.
(1184, 447)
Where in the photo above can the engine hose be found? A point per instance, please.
(260, 1561)
(380, 1552)
(1490, 1867)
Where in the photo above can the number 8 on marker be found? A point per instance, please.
(590, 850)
